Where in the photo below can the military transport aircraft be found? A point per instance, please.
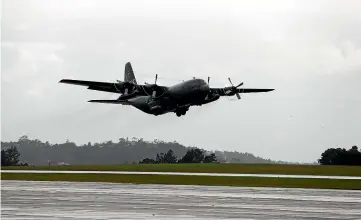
(156, 99)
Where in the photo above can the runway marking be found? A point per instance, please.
(185, 174)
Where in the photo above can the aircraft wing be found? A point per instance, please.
(141, 90)
(121, 102)
(253, 90)
(93, 85)
(222, 91)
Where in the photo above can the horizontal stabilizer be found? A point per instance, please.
(121, 102)
(93, 85)
(84, 83)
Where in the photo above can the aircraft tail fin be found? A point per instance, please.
(129, 74)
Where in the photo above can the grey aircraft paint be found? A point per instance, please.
(157, 100)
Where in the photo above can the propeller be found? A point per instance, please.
(234, 88)
(153, 87)
(125, 90)
(210, 93)
(209, 78)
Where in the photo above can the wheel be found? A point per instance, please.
(179, 114)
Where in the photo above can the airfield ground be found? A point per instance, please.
(212, 168)
(190, 180)
(200, 180)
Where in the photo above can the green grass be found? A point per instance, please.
(190, 180)
(214, 168)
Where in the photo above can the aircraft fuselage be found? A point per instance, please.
(177, 98)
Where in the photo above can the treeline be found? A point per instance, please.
(341, 156)
(124, 150)
(194, 155)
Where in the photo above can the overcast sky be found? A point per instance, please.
(308, 51)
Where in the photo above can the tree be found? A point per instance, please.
(169, 157)
(13, 155)
(3, 158)
(338, 156)
(10, 156)
(328, 156)
(24, 138)
(160, 158)
(354, 149)
(210, 158)
(354, 156)
(194, 155)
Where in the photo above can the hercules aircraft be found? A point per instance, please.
(156, 99)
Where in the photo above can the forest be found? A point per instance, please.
(35, 152)
(125, 150)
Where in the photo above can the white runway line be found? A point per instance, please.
(186, 174)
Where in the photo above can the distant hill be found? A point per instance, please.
(124, 151)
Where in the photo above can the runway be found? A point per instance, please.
(76, 200)
(185, 174)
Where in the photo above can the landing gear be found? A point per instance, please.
(181, 112)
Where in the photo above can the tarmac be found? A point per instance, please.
(83, 200)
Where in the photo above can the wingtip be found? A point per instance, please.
(63, 80)
(95, 101)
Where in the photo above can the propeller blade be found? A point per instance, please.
(156, 77)
(238, 96)
(230, 81)
(208, 79)
(239, 85)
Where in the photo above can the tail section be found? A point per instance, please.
(129, 74)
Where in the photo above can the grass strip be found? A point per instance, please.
(191, 180)
(212, 168)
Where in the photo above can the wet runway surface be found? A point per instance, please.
(75, 200)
